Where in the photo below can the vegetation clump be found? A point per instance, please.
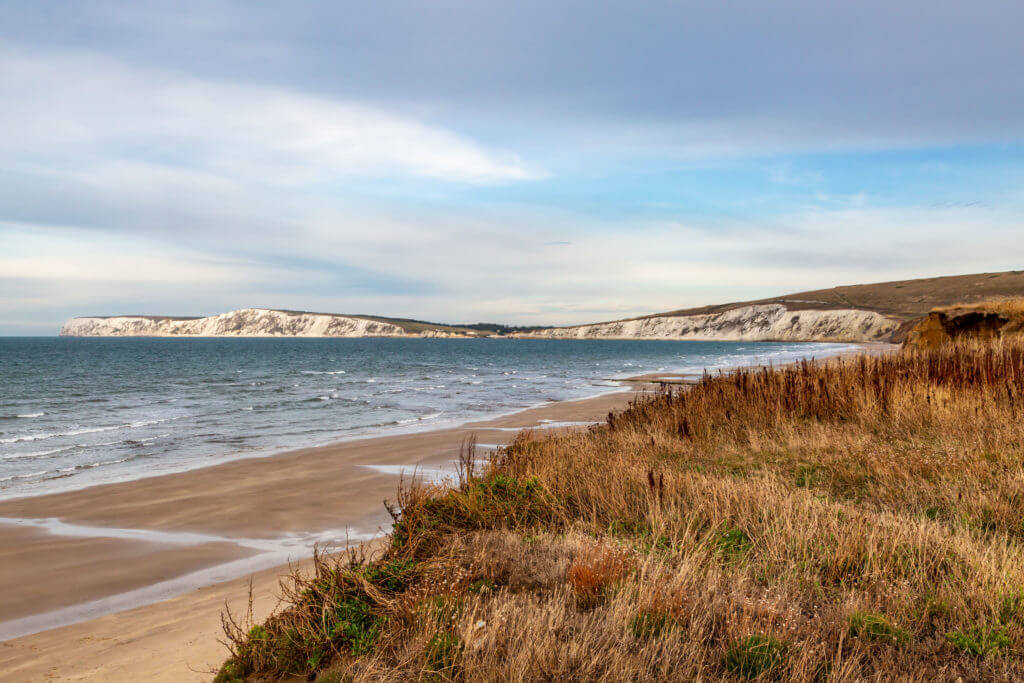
(649, 624)
(981, 641)
(876, 627)
(725, 530)
(755, 656)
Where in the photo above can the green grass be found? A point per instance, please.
(442, 652)
(649, 624)
(981, 641)
(876, 627)
(756, 655)
(732, 544)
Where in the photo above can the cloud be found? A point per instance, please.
(503, 270)
(696, 77)
(77, 112)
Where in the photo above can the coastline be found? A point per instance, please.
(302, 495)
(324, 492)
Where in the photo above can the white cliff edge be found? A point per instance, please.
(767, 322)
(248, 322)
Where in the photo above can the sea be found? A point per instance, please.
(77, 412)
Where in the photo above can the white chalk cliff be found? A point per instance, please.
(762, 322)
(765, 322)
(248, 322)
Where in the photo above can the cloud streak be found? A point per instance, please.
(106, 113)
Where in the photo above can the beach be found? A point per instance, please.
(182, 524)
(128, 580)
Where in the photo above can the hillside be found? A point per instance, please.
(901, 299)
(882, 311)
(851, 520)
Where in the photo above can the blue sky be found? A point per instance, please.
(528, 162)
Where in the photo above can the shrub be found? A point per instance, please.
(394, 576)
(980, 641)
(494, 502)
(355, 625)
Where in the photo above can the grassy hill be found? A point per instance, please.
(851, 520)
(904, 299)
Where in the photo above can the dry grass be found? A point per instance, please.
(841, 521)
(1007, 306)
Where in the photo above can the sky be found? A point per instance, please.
(519, 162)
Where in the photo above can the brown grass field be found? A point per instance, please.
(902, 299)
(856, 519)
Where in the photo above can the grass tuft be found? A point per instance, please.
(756, 656)
(595, 571)
(442, 652)
(981, 641)
(876, 627)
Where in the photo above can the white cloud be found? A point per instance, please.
(80, 110)
(502, 269)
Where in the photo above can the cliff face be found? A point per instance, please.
(982, 322)
(248, 322)
(769, 322)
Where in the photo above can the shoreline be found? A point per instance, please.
(176, 638)
(625, 383)
(300, 496)
(307, 491)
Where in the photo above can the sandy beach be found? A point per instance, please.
(80, 559)
(127, 581)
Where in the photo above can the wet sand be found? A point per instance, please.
(324, 494)
(90, 567)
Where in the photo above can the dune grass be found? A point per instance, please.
(860, 518)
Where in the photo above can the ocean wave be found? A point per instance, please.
(133, 443)
(21, 416)
(37, 454)
(323, 372)
(422, 418)
(52, 435)
(89, 430)
(105, 462)
(24, 476)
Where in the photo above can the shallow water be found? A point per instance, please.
(78, 412)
